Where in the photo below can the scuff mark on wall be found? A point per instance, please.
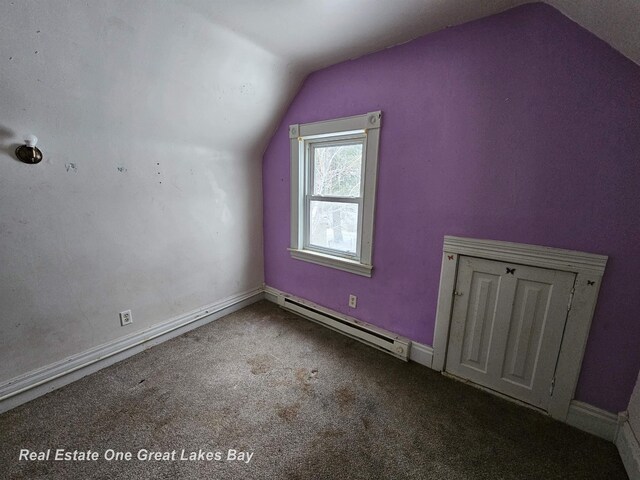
(97, 109)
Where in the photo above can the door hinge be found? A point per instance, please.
(553, 384)
(570, 299)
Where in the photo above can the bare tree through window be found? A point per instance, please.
(337, 172)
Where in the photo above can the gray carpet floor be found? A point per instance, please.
(307, 402)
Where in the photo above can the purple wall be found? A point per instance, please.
(521, 127)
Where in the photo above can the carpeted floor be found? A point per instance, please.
(306, 402)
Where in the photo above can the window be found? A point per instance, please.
(333, 181)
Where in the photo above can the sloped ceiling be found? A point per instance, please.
(313, 33)
(617, 22)
(238, 63)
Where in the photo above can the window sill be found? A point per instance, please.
(332, 262)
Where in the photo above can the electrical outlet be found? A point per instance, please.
(126, 318)
(353, 301)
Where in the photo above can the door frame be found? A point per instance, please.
(589, 269)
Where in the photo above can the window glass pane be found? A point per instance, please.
(337, 170)
(334, 225)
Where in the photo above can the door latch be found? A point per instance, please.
(457, 293)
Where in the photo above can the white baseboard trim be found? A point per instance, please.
(38, 382)
(271, 294)
(629, 450)
(593, 420)
(422, 354)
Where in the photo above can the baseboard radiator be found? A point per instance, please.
(361, 331)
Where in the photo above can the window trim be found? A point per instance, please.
(301, 136)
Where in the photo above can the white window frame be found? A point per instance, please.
(303, 138)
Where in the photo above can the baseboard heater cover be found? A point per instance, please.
(364, 332)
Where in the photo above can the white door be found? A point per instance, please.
(507, 325)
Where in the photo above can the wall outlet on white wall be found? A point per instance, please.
(126, 318)
(353, 301)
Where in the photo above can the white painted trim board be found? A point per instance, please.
(38, 382)
(629, 450)
(588, 268)
(593, 420)
(534, 255)
(421, 353)
(366, 126)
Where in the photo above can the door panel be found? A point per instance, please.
(525, 330)
(507, 325)
(480, 285)
(480, 319)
